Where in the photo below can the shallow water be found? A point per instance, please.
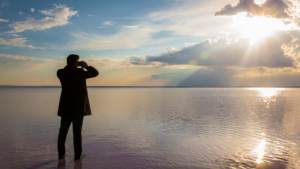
(156, 128)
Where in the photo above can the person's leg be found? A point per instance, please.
(63, 131)
(77, 139)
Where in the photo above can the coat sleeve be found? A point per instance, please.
(58, 73)
(91, 72)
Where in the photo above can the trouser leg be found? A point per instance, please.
(63, 131)
(77, 139)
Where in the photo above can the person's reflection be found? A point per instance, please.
(77, 164)
(61, 164)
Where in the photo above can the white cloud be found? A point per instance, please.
(61, 15)
(26, 63)
(192, 18)
(170, 49)
(20, 13)
(184, 19)
(3, 20)
(108, 23)
(17, 57)
(15, 35)
(32, 9)
(127, 38)
(17, 42)
(190, 44)
(128, 62)
(60, 12)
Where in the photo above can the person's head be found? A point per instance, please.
(72, 60)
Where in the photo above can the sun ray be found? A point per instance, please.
(257, 27)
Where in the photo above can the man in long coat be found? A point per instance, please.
(74, 102)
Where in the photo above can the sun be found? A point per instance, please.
(257, 27)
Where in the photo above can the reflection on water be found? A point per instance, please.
(157, 128)
(268, 94)
(260, 151)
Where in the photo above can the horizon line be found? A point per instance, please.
(46, 86)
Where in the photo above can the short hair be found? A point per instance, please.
(72, 59)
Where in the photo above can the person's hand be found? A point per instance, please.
(83, 64)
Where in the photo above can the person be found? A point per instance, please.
(74, 102)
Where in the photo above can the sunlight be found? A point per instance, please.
(260, 150)
(257, 27)
(259, 2)
(267, 92)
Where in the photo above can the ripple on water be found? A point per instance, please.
(157, 128)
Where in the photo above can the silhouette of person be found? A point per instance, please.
(74, 102)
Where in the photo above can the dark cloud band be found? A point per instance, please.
(223, 52)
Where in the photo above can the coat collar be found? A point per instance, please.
(70, 67)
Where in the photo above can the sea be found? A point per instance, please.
(153, 128)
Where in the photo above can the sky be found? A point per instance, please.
(153, 43)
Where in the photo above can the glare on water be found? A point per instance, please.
(267, 92)
(260, 151)
(157, 128)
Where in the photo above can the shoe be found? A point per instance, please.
(77, 158)
(62, 157)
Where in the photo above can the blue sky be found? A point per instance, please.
(152, 43)
(95, 17)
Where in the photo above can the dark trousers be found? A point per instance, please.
(65, 123)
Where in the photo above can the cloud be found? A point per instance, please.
(17, 57)
(26, 63)
(20, 13)
(3, 20)
(61, 15)
(60, 12)
(108, 23)
(17, 42)
(90, 15)
(165, 76)
(232, 53)
(272, 8)
(186, 19)
(180, 19)
(32, 9)
(128, 37)
(5, 4)
(170, 49)
(155, 76)
(127, 62)
(15, 35)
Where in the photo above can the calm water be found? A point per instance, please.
(156, 128)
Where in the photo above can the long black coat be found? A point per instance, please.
(74, 96)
